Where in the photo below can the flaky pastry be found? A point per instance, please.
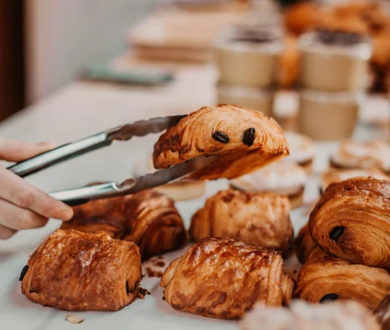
(223, 278)
(242, 141)
(259, 219)
(73, 270)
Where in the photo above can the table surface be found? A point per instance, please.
(86, 108)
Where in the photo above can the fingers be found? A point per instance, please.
(20, 193)
(16, 151)
(16, 218)
(6, 233)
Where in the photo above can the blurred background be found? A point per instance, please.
(289, 59)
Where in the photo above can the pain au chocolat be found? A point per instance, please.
(260, 219)
(304, 244)
(73, 270)
(324, 278)
(241, 140)
(352, 221)
(223, 278)
(147, 218)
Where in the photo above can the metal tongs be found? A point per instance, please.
(110, 189)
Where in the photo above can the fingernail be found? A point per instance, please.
(67, 213)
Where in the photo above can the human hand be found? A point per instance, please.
(22, 206)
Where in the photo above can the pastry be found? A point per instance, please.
(351, 221)
(302, 150)
(241, 141)
(304, 244)
(337, 175)
(334, 61)
(326, 278)
(259, 99)
(259, 219)
(300, 315)
(247, 57)
(223, 278)
(382, 313)
(282, 178)
(327, 115)
(362, 155)
(73, 270)
(147, 218)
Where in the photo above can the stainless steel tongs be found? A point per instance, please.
(103, 139)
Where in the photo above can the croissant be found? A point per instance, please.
(147, 218)
(329, 278)
(259, 219)
(303, 316)
(240, 139)
(352, 221)
(382, 313)
(73, 270)
(304, 244)
(223, 278)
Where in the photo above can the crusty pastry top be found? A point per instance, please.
(260, 219)
(243, 140)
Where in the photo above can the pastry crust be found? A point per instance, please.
(352, 221)
(259, 219)
(73, 270)
(223, 278)
(147, 218)
(329, 278)
(243, 140)
(304, 244)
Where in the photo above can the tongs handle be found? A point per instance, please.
(59, 154)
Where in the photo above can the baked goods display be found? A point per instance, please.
(362, 155)
(300, 315)
(241, 140)
(224, 278)
(73, 270)
(259, 219)
(147, 218)
(282, 178)
(302, 150)
(325, 278)
(351, 221)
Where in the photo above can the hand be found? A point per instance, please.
(22, 206)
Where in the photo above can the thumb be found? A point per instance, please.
(16, 151)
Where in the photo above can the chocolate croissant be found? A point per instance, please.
(73, 270)
(242, 141)
(147, 218)
(259, 219)
(304, 244)
(352, 221)
(223, 278)
(325, 278)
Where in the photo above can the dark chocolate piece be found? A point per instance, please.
(329, 297)
(220, 137)
(249, 136)
(24, 271)
(336, 233)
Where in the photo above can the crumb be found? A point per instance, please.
(74, 319)
(142, 293)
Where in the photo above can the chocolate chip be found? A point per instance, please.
(249, 136)
(329, 297)
(24, 271)
(220, 137)
(336, 233)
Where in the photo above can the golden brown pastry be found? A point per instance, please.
(259, 219)
(327, 278)
(352, 221)
(382, 313)
(73, 270)
(223, 278)
(304, 244)
(241, 139)
(300, 315)
(147, 218)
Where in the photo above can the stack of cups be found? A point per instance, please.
(334, 72)
(246, 61)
